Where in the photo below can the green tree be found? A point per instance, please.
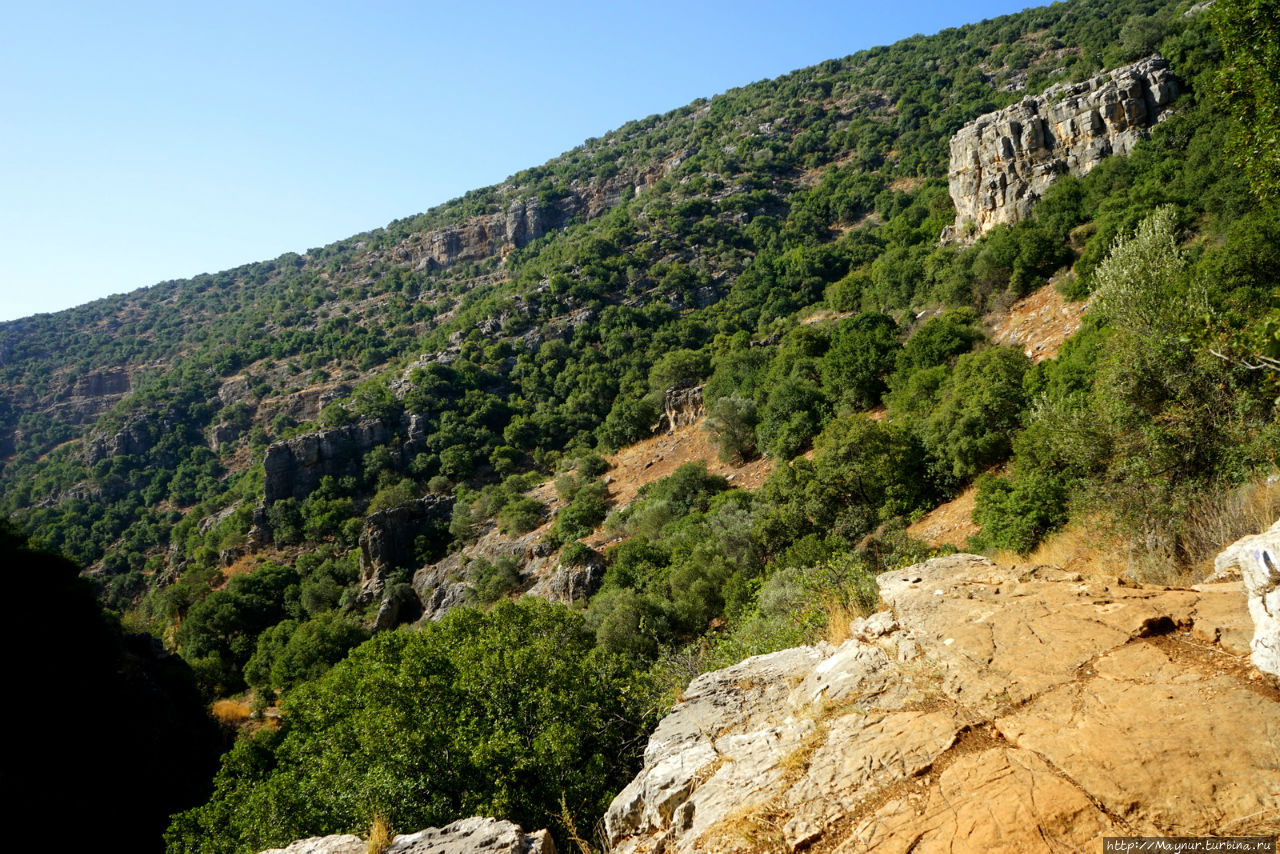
(1249, 87)
(981, 408)
(511, 714)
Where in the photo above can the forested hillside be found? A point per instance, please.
(253, 464)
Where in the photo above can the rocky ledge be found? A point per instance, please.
(468, 836)
(991, 708)
(1001, 163)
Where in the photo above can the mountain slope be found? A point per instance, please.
(261, 465)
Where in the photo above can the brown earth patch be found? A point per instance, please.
(1039, 323)
(949, 524)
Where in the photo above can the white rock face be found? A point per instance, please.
(468, 836)
(1001, 163)
(1257, 559)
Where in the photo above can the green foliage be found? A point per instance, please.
(520, 516)
(864, 473)
(492, 581)
(792, 414)
(980, 409)
(587, 508)
(1249, 85)
(220, 632)
(1140, 285)
(1017, 511)
(507, 714)
(862, 354)
(292, 652)
(393, 495)
(732, 422)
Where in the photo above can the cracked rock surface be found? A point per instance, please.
(468, 836)
(989, 708)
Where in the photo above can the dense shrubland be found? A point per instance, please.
(790, 262)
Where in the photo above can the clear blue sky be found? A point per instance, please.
(148, 141)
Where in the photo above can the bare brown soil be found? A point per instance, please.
(1039, 323)
(948, 524)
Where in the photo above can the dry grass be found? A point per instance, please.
(796, 763)
(1220, 521)
(1087, 547)
(950, 523)
(1094, 547)
(380, 834)
(757, 829)
(839, 617)
(571, 828)
(232, 712)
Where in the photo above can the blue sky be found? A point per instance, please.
(141, 142)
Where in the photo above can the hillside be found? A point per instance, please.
(1012, 262)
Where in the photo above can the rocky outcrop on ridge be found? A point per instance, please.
(992, 708)
(525, 218)
(1257, 561)
(468, 836)
(1001, 163)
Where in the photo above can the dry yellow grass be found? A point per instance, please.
(380, 834)
(233, 712)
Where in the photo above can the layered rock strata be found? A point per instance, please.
(993, 708)
(1002, 163)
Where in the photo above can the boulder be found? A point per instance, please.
(1257, 560)
(992, 708)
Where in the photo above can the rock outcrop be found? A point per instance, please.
(994, 708)
(136, 437)
(1257, 560)
(522, 218)
(682, 405)
(390, 539)
(468, 836)
(294, 467)
(574, 582)
(1001, 163)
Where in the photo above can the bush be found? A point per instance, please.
(1017, 511)
(521, 515)
(732, 423)
(587, 509)
(981, 409)
(491, 581)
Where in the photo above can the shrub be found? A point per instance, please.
(1017, 511)
(521, 515)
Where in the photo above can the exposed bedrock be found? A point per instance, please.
(1002, 163)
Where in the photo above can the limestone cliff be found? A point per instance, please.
(294, 467)
(525, 218)
(992, 709)
(1001, 163)
(391, 540)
